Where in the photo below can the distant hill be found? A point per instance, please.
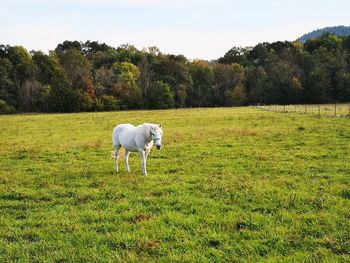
(337, 30)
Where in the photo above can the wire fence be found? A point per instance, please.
(331, 110)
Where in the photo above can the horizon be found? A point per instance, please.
(196, 29)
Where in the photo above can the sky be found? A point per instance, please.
(198, 29)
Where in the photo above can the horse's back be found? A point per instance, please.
(124, 127)
(121, 132)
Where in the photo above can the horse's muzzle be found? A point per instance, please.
(158, 147)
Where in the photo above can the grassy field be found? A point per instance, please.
(230, 184)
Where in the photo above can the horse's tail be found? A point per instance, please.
(120, 153)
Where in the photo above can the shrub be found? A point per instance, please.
(110, 103)
(5, 108)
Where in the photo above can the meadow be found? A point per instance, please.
(230, 184)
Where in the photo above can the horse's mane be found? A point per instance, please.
(145, 128)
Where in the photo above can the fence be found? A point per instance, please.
(331, 110)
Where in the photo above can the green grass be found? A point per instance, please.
(238, 184)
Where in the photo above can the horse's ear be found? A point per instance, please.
(160, 125)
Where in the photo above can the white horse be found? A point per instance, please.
(136, 139)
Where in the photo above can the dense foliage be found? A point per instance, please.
(91, 76)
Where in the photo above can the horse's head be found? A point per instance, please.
(157, 133)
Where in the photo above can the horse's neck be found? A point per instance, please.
(147, 132)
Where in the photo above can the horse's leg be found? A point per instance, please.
(143, 159)
(147, 153)
(126, 158)
(116, 157)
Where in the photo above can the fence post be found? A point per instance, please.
(335, 110)
(305, 108)
(319, 111)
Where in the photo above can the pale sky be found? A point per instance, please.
(197, 29)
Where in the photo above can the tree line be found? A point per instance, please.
(91, 76)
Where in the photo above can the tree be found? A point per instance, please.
(47, 66)
(129, 53)
(8, 91)
(3, 51)
(145, 77)
(161, 96)
(329, 63)
(343, 77)
(77, 72)
(283, 88)
(259, 55)
(279, 47)
(202, 76)
(105, 78)
(75, 65)
(105, 58)
(235, 55)
(327, 40)
(227, 78)
(237, 97)
(18, 55)
(127, 88)
(48, 72)
(255, 83)
(5, 108)
(61, 98)
(33, 96)
(23, 70)
(110, 103)
(174, 71)
(346, 43)
(90, 48)
(69, 45)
